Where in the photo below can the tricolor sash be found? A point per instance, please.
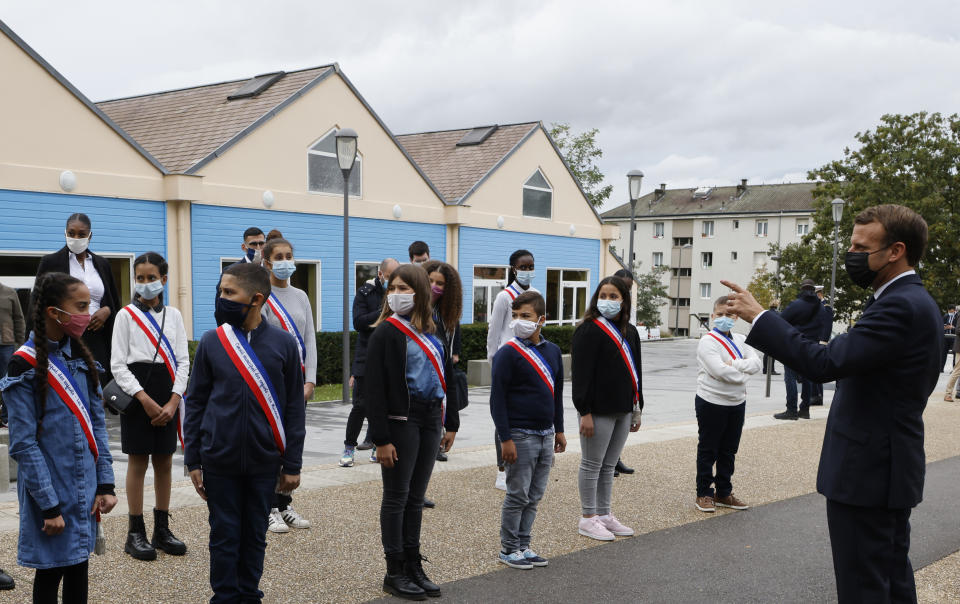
(513, 290)
(625, 353)
(253, 373)
(66, 387)
(431, 347)
(533, 356)
(149, 326)
(286, 321)
(726, 343)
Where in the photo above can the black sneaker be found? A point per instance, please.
(787, 415)
(427, 503)
(804, 413)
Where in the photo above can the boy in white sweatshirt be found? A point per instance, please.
(724, 364)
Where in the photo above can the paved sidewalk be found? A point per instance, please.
(779, 552)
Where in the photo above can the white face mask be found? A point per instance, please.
(523, 329)
(149, 290)
(401, 304)
(525, 277)
(76, 245)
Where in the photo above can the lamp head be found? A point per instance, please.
(346, 147)
(837, 208)
(634, 179)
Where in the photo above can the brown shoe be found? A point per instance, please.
(948, 397)
(730, 501)
(705, 504)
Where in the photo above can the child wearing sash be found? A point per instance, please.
(156, 378)
(446, 296)
(520, 276)
(244, 426)
(288, 308)
(725, 364)
(64, 474)
(526, 402)
(608, 396)
(406, 371)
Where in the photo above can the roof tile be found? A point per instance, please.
(789, 197)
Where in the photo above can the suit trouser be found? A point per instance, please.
(952, 381)
(790, 379)
(870, 553)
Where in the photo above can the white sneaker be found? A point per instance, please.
(275, 523)
(346, 460)
(593, 528)
(610, 522)
(501, 482)
(373, 455)
(295, 520)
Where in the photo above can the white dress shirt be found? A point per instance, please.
(89, 275)
(498, 328)
(130, 345)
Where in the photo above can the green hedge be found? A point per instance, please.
(474, 347)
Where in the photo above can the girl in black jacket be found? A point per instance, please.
(406, 368)
(606, 392)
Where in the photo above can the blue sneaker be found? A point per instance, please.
(531, 556)
(346, 460)
(516, 560)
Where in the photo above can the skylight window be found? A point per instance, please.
(477, 136)
(255, 86)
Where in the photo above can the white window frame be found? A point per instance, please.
(654, 261)
(660, 234)
(585, 285)
(28, 281)
(317, 319)
(704, 230)
(703, 260)
(709, 287)
(805, 226)
(488, 284)
(358, 163)
(766, 228)
(533, 188)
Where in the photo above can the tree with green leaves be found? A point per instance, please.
(763, 286)
(911, 160)
(581, 152)
(651, 296)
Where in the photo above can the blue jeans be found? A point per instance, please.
(6, 352)
(790, 378)
(526, 483)
(238, 507)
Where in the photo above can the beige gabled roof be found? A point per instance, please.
(788, 197)
(457, 171)
(184, 129)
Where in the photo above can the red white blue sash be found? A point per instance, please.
(533, 356)
(286, 322)
(66, 387)
(727, 343)
(253, 373)
(431, 347)
(149, 326)
(513, 290)
(625, 353)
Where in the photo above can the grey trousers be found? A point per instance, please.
(526, 483)
(598, 458)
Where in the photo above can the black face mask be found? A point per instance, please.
(228, 311)
(858, 267)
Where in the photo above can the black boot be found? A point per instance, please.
(137, 544)
(622, 468)
(397, 583)
(163, 539)
(413, 566)
(6, 581)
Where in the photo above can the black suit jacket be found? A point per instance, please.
(886, 369)
(826, 323)
(947, 321)
(805, 313)
(59, 262)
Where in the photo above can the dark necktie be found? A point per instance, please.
(870, 301)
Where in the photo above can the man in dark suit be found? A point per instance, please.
(872, 463)
(252, 246)
(805, 314)
(950, 319)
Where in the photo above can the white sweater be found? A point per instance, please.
(723, 384)
(498, 327)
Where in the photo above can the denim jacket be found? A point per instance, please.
(56, 467)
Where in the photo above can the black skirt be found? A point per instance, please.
(137, 435)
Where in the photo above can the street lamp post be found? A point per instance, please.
(634, 178)
(346, 155)
(837, 208)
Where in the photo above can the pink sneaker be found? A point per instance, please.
(593, 528)
(613, 525)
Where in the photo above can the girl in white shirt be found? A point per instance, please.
(156, 379)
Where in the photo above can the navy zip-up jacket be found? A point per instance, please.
(519, 398)
(225, 430)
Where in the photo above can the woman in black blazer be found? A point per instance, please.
(75, 259)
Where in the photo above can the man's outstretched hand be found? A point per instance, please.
(742, 303)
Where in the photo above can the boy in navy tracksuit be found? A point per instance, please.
(526, 402)
(244, 425)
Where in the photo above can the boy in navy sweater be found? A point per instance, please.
(526, 402)
(244, 425)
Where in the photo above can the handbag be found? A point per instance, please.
(114, 397)
(460, 384)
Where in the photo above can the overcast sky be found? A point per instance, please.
(692, 93)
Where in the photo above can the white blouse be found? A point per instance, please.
(130, 345)
(89, 275)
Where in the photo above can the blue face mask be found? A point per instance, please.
(251, 253)
(149, 290)
(525, 277)
(282, 269)
(724, 324)
(609, 308)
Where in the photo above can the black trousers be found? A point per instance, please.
(720, 428)
(238, 506)
(870, 553)
(357, 414)
(46, 584)
(405, 484)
